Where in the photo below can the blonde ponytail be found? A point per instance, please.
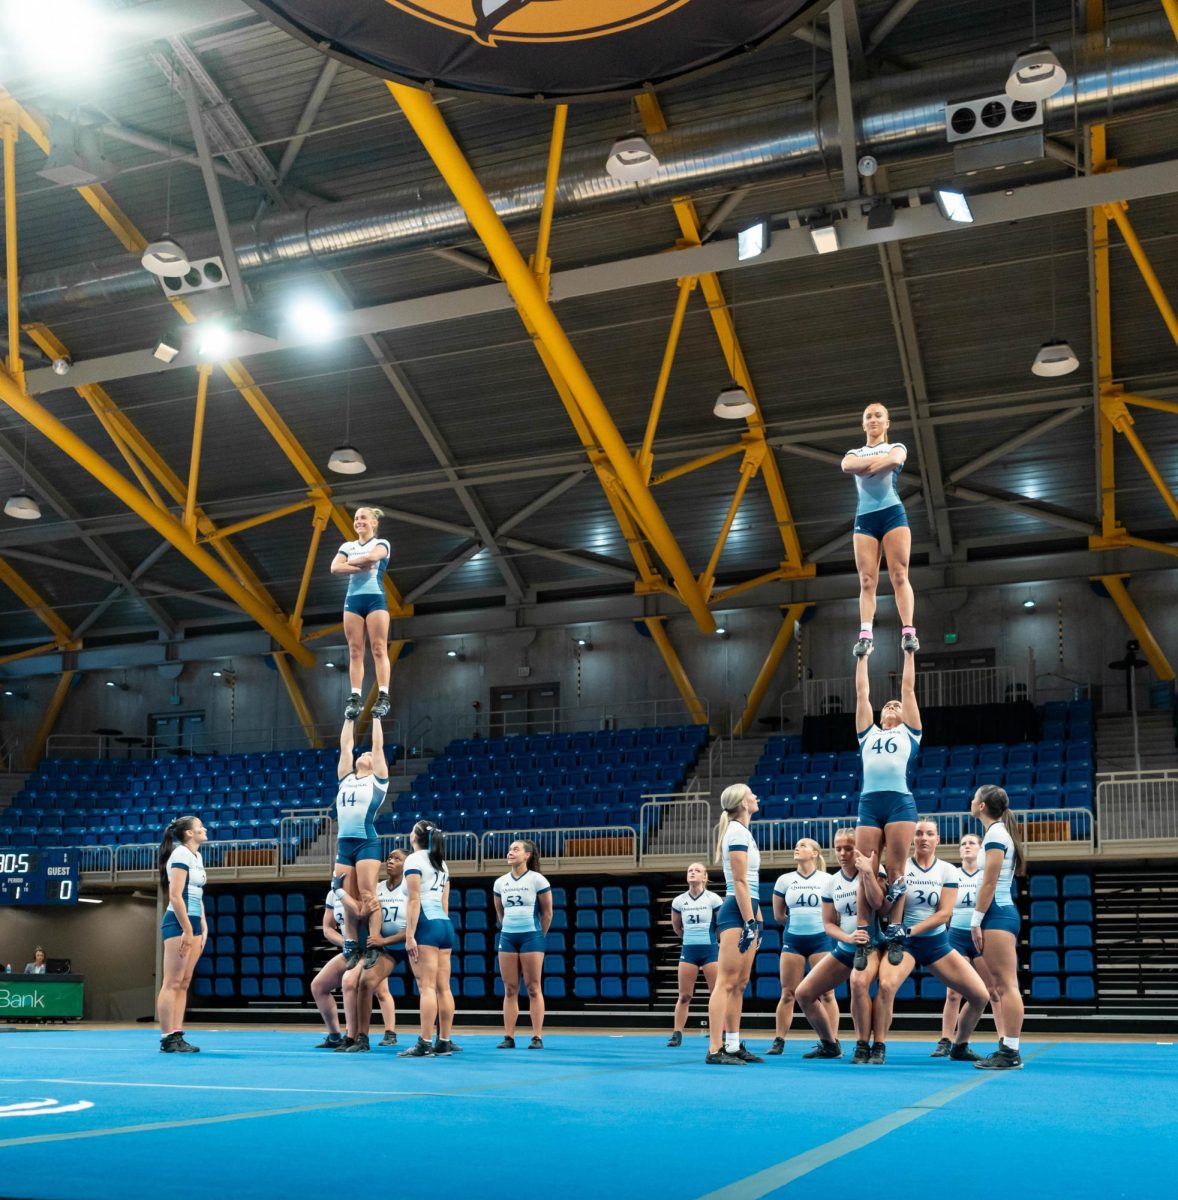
(731, 798)
(724, 823)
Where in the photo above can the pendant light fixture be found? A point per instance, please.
(346, 459)
(20, 504)
(1056, 356)
(165, 256)
(1036, 73)
(733, 403)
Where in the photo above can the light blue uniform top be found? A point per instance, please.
(356, 805)
(843, 892)
(394, 904)
(433, 884)
(183, 859)
(997, 837)
(367, 583)
(519, 897)
(876, 492)
(886, 754)
(802, 895)
(967, 897)
(698, 915)
(738, 837)
(925, 888)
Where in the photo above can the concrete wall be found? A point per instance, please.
(113, 944)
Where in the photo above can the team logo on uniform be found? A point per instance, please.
(491, 21)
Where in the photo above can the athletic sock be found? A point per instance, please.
(384, 691)
(865, 629)
(906, 629)
(732, 1042)
(1011, 1044)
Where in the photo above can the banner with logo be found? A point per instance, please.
(45, 1000)
(538, 49)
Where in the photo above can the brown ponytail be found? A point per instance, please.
(997, 805)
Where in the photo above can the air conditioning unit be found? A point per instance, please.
(988, 116)
(205, 275)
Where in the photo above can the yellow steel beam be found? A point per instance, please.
(1115, 586)
(736, 589)
(689, 225)
(198, 433)
(659, 636)
(48, 720)
(163, 523)
(33, 600)
(748, 468)
(224, 531)
(1171, 7)
(10, 131)
(1120, 214)
(540, 262)
(704, 460)
(427, 121)
(298, 700)
(769, 667)
(34, 652)
(1166, 406)
(318, 525)
(1114, 410)
(1146, 544)
(1102, 302)
(645, 454)
(326, 631)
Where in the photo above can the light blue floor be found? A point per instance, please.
(589, 1118)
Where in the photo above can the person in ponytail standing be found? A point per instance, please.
(365, 609)
(995, 921)
(184, 929)
(738, 923)
(429, 937)
(523, 903)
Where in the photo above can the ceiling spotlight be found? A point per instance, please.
(329, 665)
(111, 683)
(217, 673)
(1028, 603)
(61, 366)
(953, 203)
(22, 506)
(632, 159)
(824, 234)
(166, 349)
(166, 258)
(347, 460)
(733, 404)
(63, 40)
(1035, 75)
(584, 644)
(311, 319)
(752, 241)
(212, 342)
(721, 632)
(451, 653)
(1055, 357)
(9, 692)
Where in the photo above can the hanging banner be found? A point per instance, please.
(552, 50)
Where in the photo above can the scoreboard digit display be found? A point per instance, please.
(29, 876)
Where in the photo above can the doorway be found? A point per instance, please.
(532, 708)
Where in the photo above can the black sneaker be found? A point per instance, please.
(508, 1043)
(896, 936)
(330, 1042)
(1003, 1059)
(722, 1058)
(825, 1050)
(442, 1048)
(910, 643)
(862, 1054)
(863, 647)
(942, 1049)
(345, 1045)
(382, 706)
(778, 1046)
(180, 1046)
(748, 1056)
(537, 1043)
(168, 1043)
(371, 957)
(420, 1049)
(879, 1054)
(389, 1039)
(676, 1039)
(360, 1045)
(455, 1048)
(353, 707)
(353, 957)
(862, 950)
(961, 1052)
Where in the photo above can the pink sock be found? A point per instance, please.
(907, 628)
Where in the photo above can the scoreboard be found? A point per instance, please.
(29, 876)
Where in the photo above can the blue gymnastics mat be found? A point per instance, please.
(102, 1115)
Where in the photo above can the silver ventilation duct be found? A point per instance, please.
(899, 117)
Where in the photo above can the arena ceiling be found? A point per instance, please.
(496, 499)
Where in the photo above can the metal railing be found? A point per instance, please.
(10, 754)
(626, 714)
(934, 689)
(199, 742)
(1136, 806)
(301, 834)
(674, 826)
(245, 854)
(603, 845)
(96, 860)
(460, 847)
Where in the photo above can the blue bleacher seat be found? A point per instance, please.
(203, 988)
(611, 964)
(637, 987)
(1079, 987)
(1078, 962)
(475, 921)
(1045, 987)
(584, 942)
(556, 942)
(585, 987)
(638, 894)
(474, 943)
(554, 964)
(907, 990)
(223, 988)
(1077, 886)
(638, 918)
(1044, 936)
(585, 919)
(584, 964)
(1044, 962)
(1077, 936)
(612, 918)
(767, 987)
(611, 987)
(1042, 887)
(1077, 911)
(637, 940)
(475, 898)
(931, 988)
(1044, 912)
